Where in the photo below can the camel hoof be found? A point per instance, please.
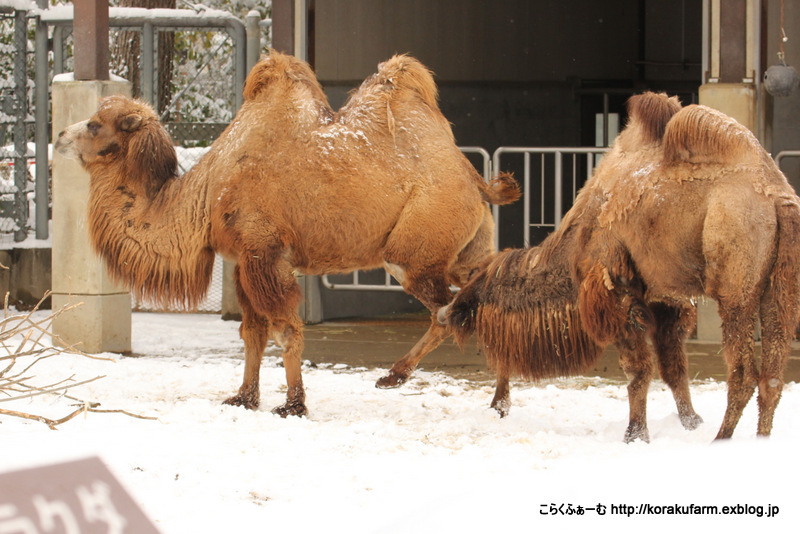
(297, 409)
(691, 422)
(246, 401)
(392, 380)
(635, 432)
(502, 407)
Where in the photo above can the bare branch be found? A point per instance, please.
(24, 345)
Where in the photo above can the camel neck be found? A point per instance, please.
(156, 246)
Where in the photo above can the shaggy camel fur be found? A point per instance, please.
(687, 204)
(291, 185)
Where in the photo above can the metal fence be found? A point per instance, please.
(785, 155)
(551, 179)
(16, 133)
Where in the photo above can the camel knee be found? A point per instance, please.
(270, 291)
(396, 272)
(441, 315)
(428, 283)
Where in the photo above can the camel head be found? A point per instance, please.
(123, 136)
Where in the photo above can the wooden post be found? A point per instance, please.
(90, 32)
(283, 26)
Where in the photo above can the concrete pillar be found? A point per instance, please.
(733, 59)
(231, 311)
(731, 86)
(737, 100)
(709, 324)
(102, 322)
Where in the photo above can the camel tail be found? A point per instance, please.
(406, 75)
(699, 134)
(503, 189)
(786, 273)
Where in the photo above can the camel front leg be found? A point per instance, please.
(254, 331)
(289, 335)
(637, 364)
(269, 296)
(502, 398)
(673, 325)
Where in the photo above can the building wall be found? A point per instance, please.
(516, 72)
(783, 113)
(478, 40)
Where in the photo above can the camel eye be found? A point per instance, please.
(93, 127)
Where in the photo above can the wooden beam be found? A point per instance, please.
(283, 26)
(90, 32)
(733, 41)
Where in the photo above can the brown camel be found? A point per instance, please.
(687, 204)
(291, 185)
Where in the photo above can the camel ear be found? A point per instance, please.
(130, 123)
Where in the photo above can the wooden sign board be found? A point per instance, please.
(78, 497)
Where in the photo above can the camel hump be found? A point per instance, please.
(699, 134)
(406, 74)
(277, 67)
(651, 112)
(503, 189)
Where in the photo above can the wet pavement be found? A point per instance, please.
(378, 343)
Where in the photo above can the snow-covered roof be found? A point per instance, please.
(64, 12)
(18, 5)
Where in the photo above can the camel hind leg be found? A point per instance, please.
(776, 337)
(430, 285)
(673, 324)
(432, 290)
(738, 344)
(779, 313)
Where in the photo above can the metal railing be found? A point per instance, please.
(356, 279)
(149, 21)
(245, 37)
(16, 184)
(786, 154)
(557, 170)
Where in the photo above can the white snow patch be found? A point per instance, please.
(430, 456)
(19, 5)
(70, 77)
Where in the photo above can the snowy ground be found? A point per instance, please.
(428, 457)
